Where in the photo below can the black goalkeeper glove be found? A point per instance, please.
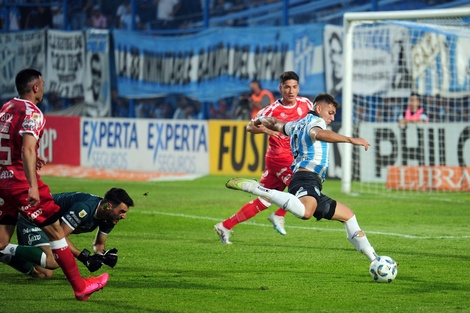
(92, 262)
(110, 257)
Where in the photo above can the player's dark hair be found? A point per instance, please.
(324, 97)
(117, 196)
(288, 76)
(24, 78)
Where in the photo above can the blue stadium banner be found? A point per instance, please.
(218, 62)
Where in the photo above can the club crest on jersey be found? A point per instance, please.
(29, 124)
(82, 214)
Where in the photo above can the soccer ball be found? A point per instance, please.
(383, 269)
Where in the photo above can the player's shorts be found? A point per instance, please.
(309, 184)
(277, 175)
(14, 200)
(29, 234)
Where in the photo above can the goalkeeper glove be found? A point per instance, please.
(92, 262)
(110, 257)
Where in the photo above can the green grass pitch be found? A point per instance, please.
(171, 260)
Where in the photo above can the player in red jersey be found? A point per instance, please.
(21, 188)
(278, 173)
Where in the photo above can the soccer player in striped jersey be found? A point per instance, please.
(277, 173)
(22, 189)
(309, 140)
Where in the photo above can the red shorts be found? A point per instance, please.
(277, 175)
(13, 201)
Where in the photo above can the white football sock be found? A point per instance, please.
(282, 199)
(361, 243)
(10, 249)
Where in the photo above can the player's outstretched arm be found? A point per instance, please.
(326, 135)
(270, 123)
(260, 129)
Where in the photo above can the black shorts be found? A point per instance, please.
(309, 184)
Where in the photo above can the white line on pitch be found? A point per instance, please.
(305, 227)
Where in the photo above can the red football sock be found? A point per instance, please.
(66, 260)
(246, 212)
(280, 212)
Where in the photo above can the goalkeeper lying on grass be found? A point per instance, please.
(79, 213)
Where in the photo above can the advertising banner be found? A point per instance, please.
(169, 146)
(60, 143)
(218, 62)
(423, 144)
(234, 151)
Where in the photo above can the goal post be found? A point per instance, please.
(388, 56)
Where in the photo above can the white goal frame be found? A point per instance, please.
(351, 20)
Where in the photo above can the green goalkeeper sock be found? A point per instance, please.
(31, 254)
(18, 264)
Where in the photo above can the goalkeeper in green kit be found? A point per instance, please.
(79, 213)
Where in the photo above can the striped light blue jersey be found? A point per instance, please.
(308, 154)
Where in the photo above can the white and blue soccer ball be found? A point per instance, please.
(383, 269)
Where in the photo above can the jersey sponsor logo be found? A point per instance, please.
(6, 174)
(72, 219)
(35, 214)
(24, 207)
(6, 117)
(30, 230)
(29, 124)
(33, 238)
(82, 214)
(4, 128)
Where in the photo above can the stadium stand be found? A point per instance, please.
(193, 16)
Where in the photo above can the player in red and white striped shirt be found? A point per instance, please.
(22, 190)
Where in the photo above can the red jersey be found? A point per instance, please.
(17, 117)
(279, 147)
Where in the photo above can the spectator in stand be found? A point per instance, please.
(78, 13)
(221, 111)
(414, 113)
(126, 19)
(38, 17)
(146, 11)
(166, 12)
(120, 11)
(97, 18)
(260, 97)
(109, 9)
(119, 105)
(57, 17)
(242, 111)
(181, 107)
(221, 7)
(190, 12)
(13, 15)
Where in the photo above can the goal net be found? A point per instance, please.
(406, 88)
